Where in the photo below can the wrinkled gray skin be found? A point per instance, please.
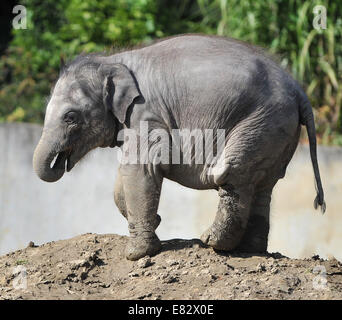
(193, 82)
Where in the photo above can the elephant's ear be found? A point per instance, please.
(119, 89)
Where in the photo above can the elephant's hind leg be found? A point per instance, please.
(255, 238)
(231, 219)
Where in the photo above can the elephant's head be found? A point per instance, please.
(88, 106)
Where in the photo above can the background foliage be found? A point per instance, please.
(29, 64)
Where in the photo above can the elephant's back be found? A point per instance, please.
(189, 49)
(201, 44)
(211, 62)
(215, 82)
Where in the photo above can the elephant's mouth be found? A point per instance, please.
(62, 161)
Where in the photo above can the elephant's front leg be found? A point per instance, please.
(120, 200)
(141, 194)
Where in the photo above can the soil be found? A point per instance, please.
(93, 266)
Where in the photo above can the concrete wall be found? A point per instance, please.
(82, 201)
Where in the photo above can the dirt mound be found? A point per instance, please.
(94, 267)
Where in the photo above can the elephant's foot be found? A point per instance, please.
(143, 240)
(218, 239)
(141, 246)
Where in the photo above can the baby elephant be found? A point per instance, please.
(207, 112)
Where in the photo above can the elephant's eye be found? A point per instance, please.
(71, 117)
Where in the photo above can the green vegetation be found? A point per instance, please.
(29, 66)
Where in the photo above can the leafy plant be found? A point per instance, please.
(64, 28)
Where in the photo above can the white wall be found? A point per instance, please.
(82, 201)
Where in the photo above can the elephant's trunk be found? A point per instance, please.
(43, 156)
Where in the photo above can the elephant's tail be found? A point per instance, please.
(307, 119)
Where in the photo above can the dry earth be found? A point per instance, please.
(94, 267)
